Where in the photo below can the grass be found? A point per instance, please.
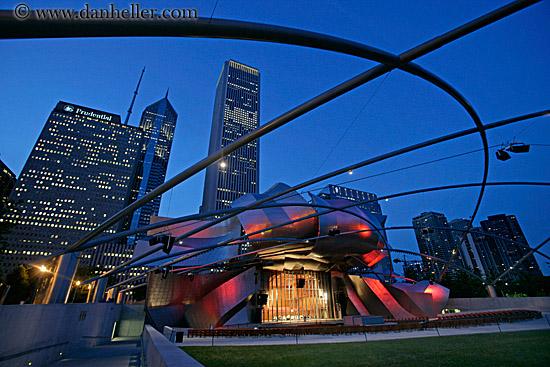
(527, 348)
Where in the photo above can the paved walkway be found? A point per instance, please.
(121, 352)
(125, 352)
(540, 324)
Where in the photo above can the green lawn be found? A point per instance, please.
(528, 348)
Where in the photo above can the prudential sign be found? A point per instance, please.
(80, 111)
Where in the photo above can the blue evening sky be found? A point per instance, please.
(502, 70)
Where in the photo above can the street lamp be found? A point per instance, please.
(43, 270)
(77, 284)
(502, 154)
(519, 148)
(166, 239)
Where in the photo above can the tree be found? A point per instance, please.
(6, 207)
(412, 274)
(464, 284)
(22, 285)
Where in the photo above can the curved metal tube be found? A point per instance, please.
(13, 28)
(520, 261)
(416, 70)
(126, 265)
(346, 169)
(473, 232)
(387, 249)
(441, 260)
(532, 250)
(352, 167)
(292, 241)
(33, 28)
(330, 209)
(232, 210)
(390, 275)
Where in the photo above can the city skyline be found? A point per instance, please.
(382, 116)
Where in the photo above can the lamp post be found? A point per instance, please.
(77, 284)
(89, 287)
(43, 270)
(502, 154)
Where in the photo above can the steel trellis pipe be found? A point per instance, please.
(430, 142)
(386, 248)
(389, 155)
(521, 260)
(440, 260)
(412, 192)
(330, 209)
(472, 232)
(33, 28)
(392, 228)
(231, 210)
(414, 69)
(188, 268)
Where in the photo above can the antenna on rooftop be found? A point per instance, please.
(134, 98)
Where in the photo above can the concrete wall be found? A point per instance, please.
(159, 352)
(131, 321)
(42, 334)
(500, 303)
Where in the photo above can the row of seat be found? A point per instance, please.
(455, 321)
(504, 313)
(406, 321)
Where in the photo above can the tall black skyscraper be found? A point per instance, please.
(435, 240)
(76, 176)
(158, 123)
(236, 113)
(474, 255)
(7, 182)
(506, 254)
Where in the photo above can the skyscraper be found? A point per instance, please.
(7, 181)
(158, 123)
(472, 253)
(506, 254)
(76, 176)
(372, 209)
(485, 246)
(435, 240)
(236, 113)
(341, 192)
